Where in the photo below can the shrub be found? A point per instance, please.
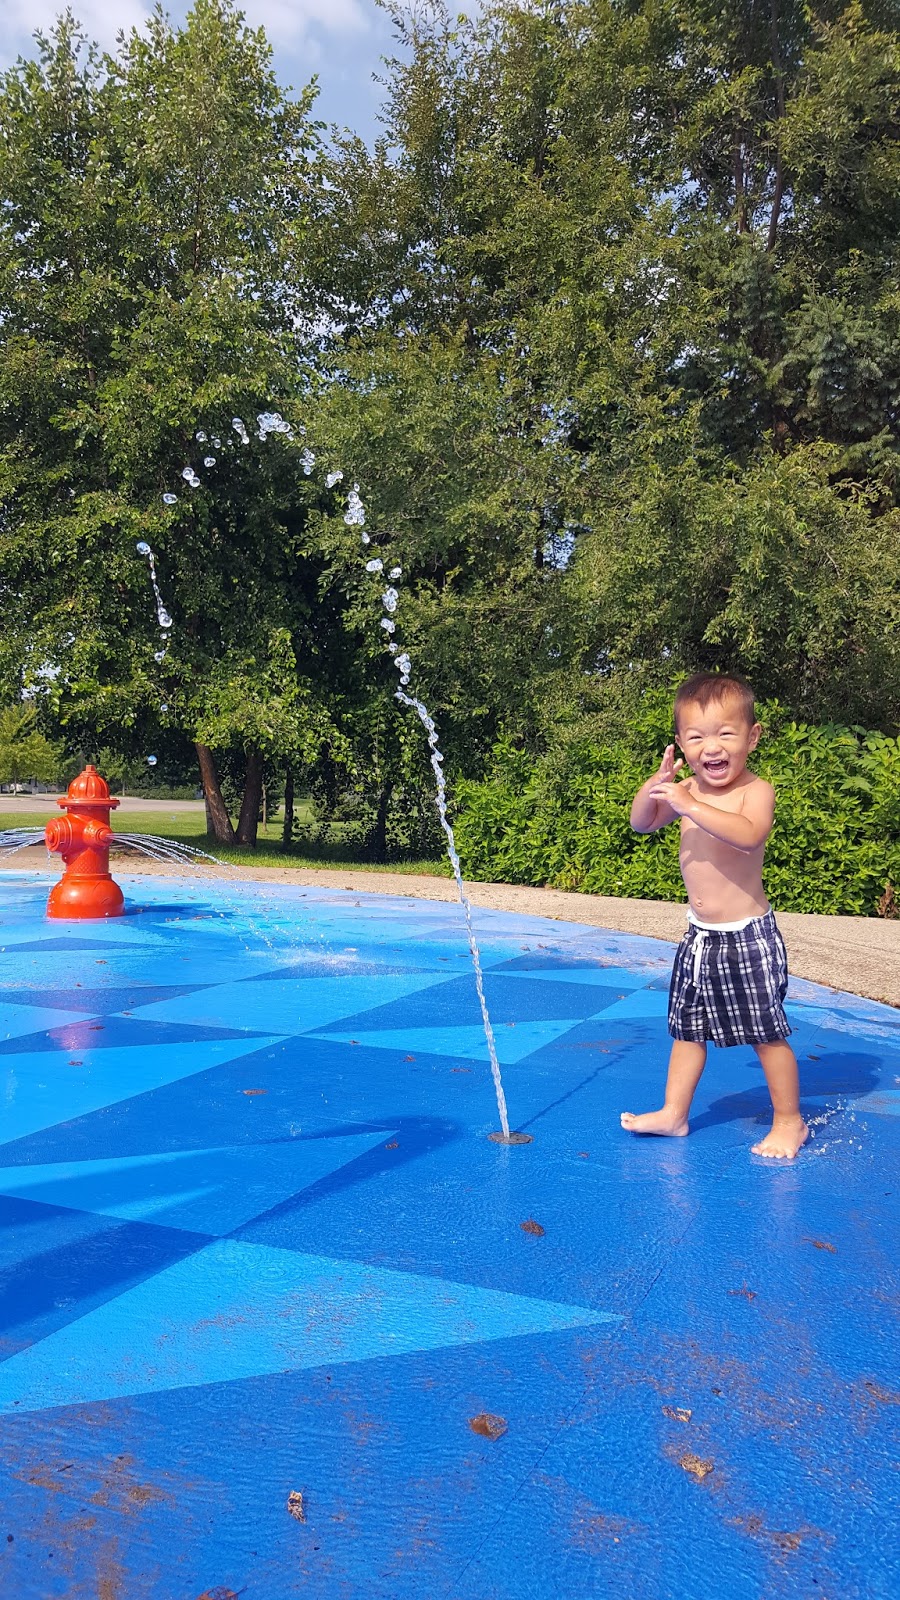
(562, 819)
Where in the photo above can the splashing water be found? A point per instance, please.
(162, 849)
(441, 800)
(13, 839)
(162, 615)
(355, 517)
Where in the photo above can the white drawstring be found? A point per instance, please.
(700, 937)
(702, 931)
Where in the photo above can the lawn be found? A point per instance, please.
(183, 826)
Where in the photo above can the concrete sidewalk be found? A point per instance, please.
(12, 805)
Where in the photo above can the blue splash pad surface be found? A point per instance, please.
(254, 1240)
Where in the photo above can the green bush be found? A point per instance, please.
(562, 819)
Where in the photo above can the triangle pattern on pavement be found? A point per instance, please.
(203, 1191)
(235, 1310)
(468, 1042)
(39, 1091)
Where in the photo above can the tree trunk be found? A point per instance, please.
(287, 831)
(248, 821)
(379, 837)
(218, 822)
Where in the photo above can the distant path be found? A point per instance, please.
(13, 804)
(859, 954)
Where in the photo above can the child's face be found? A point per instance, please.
(716, 741)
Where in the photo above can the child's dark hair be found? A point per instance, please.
(710, 689)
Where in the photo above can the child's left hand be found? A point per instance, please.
(676, 795)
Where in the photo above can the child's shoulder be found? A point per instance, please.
(758, 790)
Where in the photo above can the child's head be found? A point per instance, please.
(716, 726)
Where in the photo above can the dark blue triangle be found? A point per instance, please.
(117, 1032)
(97, 1002)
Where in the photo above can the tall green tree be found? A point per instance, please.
(154, 216)
(667, 235)
(25, 752)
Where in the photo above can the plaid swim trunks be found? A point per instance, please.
(729, 986)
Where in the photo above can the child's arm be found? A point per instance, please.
(647, 812)
(746, 829)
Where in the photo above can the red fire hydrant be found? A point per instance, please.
(83, 838)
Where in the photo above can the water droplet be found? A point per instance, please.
(209, 461)
(395, 573)
(237, 424)
(365, 538)
(194, 483)
(163, 708)
(142, 547)
(393, 647)
(355, 515)
(308, 461)
(333, 478)
(159, 655)
(170, 499)
(389, 600)
(217, 444)
(163, 618)
(187, 473)
(200, 436)
(151, 761)
(371, 566)
(388, 625)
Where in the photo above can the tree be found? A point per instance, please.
(622, 219)
(155, 205)
(24, 751)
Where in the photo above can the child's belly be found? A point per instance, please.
(723, 884)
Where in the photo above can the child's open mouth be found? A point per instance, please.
(717, 767)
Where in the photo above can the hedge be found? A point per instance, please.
(561, 820)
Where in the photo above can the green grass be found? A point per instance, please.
(182, 825)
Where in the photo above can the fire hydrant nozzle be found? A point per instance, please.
(83, 838)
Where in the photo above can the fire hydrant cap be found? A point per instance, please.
(88, 786)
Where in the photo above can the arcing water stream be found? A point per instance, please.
(354, 516)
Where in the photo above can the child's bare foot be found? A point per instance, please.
(786, 1136)
(666, 1121)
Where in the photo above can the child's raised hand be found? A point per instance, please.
(668, 766)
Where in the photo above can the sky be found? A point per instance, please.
(339, 40)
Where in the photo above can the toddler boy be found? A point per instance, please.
(730, 975)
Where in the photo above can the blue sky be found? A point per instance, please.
(340, 40)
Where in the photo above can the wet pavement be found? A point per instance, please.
(278, 1319)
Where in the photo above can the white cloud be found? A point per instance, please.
(100, 19)
(287, 22)
(291, 24)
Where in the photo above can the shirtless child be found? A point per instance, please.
(730, 975)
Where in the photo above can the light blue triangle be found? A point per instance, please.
(592, 976)
(236, 1310)
(204, 1191)
(468, 1042)
(642, 1003)
(40, 1090)
(287, 1005)
(17, 1021)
